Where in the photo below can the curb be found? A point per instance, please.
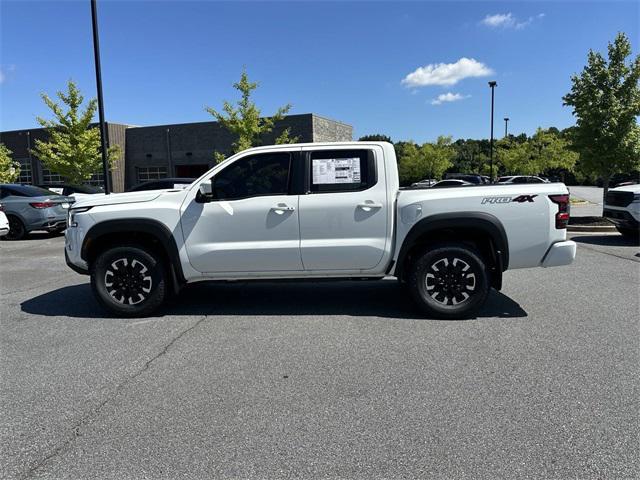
(591, 228)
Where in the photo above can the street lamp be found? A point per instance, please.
(492, 84)
(506, 129)
(103, 130)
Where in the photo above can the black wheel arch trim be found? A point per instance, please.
(482, 221)
(139, 225)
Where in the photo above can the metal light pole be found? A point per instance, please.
(104, 141)
(506, 129)
(493, 85)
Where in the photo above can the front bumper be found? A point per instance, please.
(72, 252)
(621, 218)
(559, 254)
(75, 268)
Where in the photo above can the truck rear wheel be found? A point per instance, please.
(129, 281)
(449, 281)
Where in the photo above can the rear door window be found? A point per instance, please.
(341, 171)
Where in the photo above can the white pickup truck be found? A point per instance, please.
(320, 210)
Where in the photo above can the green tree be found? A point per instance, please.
(73, 148)
(376, 137)
(549, 150)
(244, 120)
(606, 103)
(9, 169)
(436, 158)
(545, 151)
(407, 155)
(514, 157)
(430, 160)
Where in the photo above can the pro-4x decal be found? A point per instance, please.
(519, 199)
(524, 198)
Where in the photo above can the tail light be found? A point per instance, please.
(41, 204)
(562, 217)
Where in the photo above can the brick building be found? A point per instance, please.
(180, 150)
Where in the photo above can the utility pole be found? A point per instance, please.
(104, 141)
(492, 85)
(506, 129)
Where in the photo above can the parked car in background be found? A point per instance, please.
(622, 207)
(451, 183)
(163, 184)
(4, 223)
(29, 208)
(69, 189)
(427, 182)
(519, 179)
(77, 191)
(474, 178)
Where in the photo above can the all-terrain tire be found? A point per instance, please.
(449, 281)
(129, 281)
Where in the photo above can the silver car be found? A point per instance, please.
(30, 208)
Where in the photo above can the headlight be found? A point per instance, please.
(636, 197)
(72, 214)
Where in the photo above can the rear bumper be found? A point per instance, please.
(53, 226)
(559, 254)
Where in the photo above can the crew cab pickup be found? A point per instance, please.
(320, 210)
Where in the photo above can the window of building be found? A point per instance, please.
(25, 172)
(97, 180)
(342, 171)
(49, 177)
(151, 173)
(253, 176)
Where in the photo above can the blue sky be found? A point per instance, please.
(378, 66)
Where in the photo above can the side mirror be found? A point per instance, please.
(205, 192)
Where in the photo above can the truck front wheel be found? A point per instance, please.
(449, 281)
(129, 281)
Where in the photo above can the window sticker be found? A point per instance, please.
(336, 170)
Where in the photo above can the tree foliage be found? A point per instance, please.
(429, 160)
(606, 103)
(73, 148)
(244, 120)
(9, 169)
(545, 150)
(376, 137)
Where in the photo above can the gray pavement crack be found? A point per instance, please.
(92, 414)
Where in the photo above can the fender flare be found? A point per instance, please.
(137, 225)
(482, 221)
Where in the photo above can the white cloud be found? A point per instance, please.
(4, 71)
(446, 73)
(508, 20)
(448, 97)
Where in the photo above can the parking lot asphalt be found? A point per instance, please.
(322, 380)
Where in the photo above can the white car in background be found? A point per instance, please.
(4, 223)
(622, 207)
(521, 179)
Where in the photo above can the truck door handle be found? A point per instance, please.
(281, 208)
(369, 205)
